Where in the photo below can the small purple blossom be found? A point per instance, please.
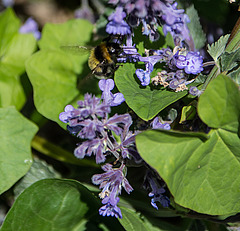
(116, 24)
(89, 147)
(194, 91)
(67, 114)
(30, 26)
(156, 191)
(192, 63)
(106, 85)
(158, 197)
(156, 124)
(143, 76)
(111, 183)
(85, 12)
(110, 210)
(118, 123)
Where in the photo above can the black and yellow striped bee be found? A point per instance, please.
(102, 59)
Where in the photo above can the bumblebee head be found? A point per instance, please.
(114, 48)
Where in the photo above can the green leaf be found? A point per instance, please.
(9, 25)
(134, 221)
(16, 135)
(15, 48)
(131, 221)
(235, 75)
(147, 101)
(71, 33)
(11, 90)
(202, 174)
(53, 72)
(217, 48)
(219, 104)
(188, 113)
(230, 60)
(20, 47)
(52, 204)
(38, 171)
(195, 28)
(53, 80)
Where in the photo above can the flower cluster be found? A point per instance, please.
(180, 64)
(91, 123)
(150, 14)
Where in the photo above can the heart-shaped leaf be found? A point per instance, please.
(147, 101)
(53, 72)
(16, 134)
(52, 204)
(202, 174)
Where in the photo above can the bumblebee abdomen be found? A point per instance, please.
(93, 62)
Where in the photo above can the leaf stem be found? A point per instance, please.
(47, 148)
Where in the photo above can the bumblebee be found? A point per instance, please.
(103, 58)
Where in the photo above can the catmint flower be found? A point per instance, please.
(110, 210)
(129, 52)
(89, 147)
(116, 24)
(143, 76)
(85, 12)
(30, 26)
(154, 13)
(156, 124)
(175, 22)
(150, 61)
(90, 122)
(118, 123)
(8, 3)
(156, 191)
(194, 91)
(157, 196)
(192, 63)
(111, 182)
(67, 114)
(106, 85)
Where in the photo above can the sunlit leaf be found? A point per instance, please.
(16, 134)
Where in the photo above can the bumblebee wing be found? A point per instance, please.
(76, 50)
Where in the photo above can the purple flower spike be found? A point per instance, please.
(143, 76)
(116, 23)
(111, 183)
(106, 85)
(30, 26)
